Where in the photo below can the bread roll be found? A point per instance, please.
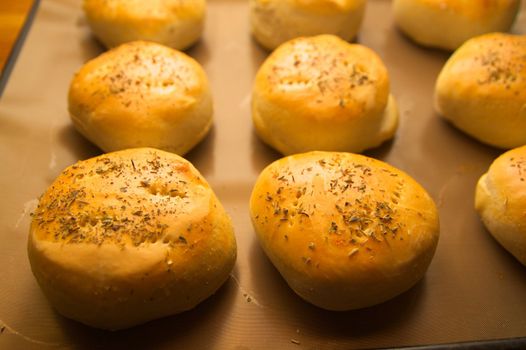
(345, 231)
(447, 24)
(500, 200)
(275, 21)
(174, 23)
(322, 93)
(482, 89)
(128, 237)
(142, 94)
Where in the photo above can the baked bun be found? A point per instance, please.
(128, 237)
(174, 23)
(345, 231)
(275, 21)
(142, 94)
(322, 93)
(500, 200)
(447, 24)
(482, 89)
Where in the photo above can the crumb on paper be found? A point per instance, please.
(295, 341)
(249, 298)
(5, 328)
(29, 207)
(52, 161)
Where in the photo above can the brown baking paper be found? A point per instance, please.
(474, 289)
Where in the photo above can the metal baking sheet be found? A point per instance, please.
(473, 291)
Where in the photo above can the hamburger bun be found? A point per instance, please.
(274, 22)
(482, 89)
(344, 230)
(500, 200)
(447, 24)
(174, 23)
(127, 237)
(322, 93)
(141, 94)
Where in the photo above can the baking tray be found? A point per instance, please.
(473, 291)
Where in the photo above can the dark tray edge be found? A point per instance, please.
(19, 42)
(497, 344)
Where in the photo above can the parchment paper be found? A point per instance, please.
(474, 289)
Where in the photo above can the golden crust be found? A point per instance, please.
(475, 9)
(322, 74)
(321, 93)
(275, 21)
(322, 6)
(141, 94)
(130, 236)
(500, 200)
(344, 230)
(482, 89)
(175, 23)
(447, 24)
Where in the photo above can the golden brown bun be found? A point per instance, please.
(322, 93)
(142, 94)
(128, 237)
(500, 200)
(345, 231)
(275, 21)
(447, 24)
(175, 23)
(482, 89)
